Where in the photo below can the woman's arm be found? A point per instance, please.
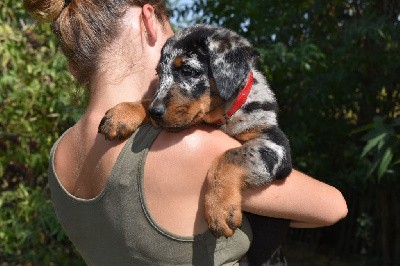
(178, 163)
(302, 199)
(306, 201)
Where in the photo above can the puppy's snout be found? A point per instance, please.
(157, 111)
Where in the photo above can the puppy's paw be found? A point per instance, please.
(223, 218)
(122, 120)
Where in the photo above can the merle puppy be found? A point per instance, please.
(207, 74)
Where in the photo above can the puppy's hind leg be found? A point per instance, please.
(260, 160)
(267, 156)
(223, 200)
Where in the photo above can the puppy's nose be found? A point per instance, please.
(157, 111)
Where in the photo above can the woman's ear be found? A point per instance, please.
(150, 23)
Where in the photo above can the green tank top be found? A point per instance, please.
(115, 227)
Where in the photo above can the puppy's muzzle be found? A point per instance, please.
(157, 111)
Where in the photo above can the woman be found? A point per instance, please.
(140, 201)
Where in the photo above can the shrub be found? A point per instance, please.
(37, 99)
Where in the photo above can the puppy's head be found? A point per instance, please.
(201, 68)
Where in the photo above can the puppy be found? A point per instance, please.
(208, 74)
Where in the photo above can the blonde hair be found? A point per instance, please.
(86, 27)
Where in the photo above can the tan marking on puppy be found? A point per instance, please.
(223, 197)
(250, 134)
(213, 86)
(178, 111)
(123, 119)
(212, 108)
(214, 115)
(182, 111)
(217, 105)
(178, 62)
(200, 107)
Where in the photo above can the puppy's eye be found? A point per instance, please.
(189, 72)
(186, 72)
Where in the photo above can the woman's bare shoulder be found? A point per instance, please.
(174, 176)
(185, 156)
(195, 145)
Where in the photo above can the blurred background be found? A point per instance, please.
(335, 67)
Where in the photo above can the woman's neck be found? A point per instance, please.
(128, 67)
(106, 93)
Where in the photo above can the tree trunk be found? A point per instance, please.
(384, 228)
(396, 250)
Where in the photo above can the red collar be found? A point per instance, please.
(240, 100)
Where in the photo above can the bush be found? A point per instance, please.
(29, 230)
(36, 103)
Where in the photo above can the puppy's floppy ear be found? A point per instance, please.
(231, 58)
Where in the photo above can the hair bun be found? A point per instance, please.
(45, 10)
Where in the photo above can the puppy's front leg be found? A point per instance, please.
(123, 119)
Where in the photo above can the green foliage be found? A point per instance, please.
(333, 64)
(36, 105)
(29, 229)
(33, 107)
(383, 145)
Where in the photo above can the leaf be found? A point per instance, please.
(381, 34)
(373, 167)
(386, 159)
(362, 129)
(372, 143)
(396, 162)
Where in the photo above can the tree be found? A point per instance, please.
(334, 66)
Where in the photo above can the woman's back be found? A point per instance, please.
(149, 218)
(174, 175)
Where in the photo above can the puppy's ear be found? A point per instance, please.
(231, 58)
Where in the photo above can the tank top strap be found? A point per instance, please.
(142, 139)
